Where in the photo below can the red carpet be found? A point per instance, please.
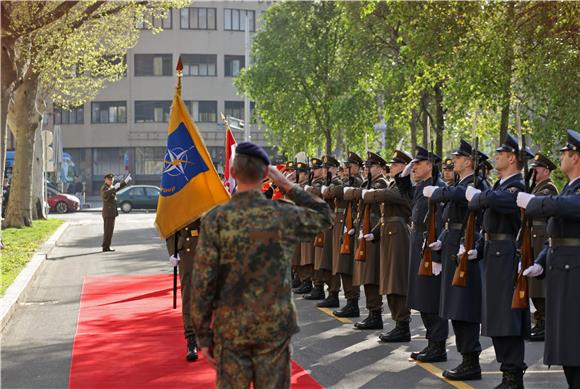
(129, 337)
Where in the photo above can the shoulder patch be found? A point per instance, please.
(512, 189)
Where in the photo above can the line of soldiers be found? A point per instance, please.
(379, 238)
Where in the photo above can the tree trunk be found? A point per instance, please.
(328, 137)
(37, 199)
(440, 125)
(413, 125)
(24, 120)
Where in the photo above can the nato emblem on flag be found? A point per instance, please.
(182, 162)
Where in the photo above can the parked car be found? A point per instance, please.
(137, 197)
(62, 202)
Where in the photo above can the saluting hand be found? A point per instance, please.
(278, 179)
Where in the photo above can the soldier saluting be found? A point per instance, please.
(110, 212)
(243, 313)
(559, 263)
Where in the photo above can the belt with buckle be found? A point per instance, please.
(491, 236)
(563, 242)
(393, 219)
(539, 223)
(453, 226)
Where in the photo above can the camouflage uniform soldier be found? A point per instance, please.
(243, 313)
(541, 168)
(183, 258)
(343, 262)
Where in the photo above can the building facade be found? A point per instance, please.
(124, 129)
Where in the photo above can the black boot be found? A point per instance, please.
(317, 293)
(435, 353)
(513, 379)
(191, 349)
(537, 334)
(349, 310)
(304, 288)
(467, 370)
(330, 302)
(415, 354)
(400, 333)
(374, 321)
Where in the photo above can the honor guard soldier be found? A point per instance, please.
(367, 251)
(343, 255)
(323, 256)
(541, 168)
(559, 263)
(393, 233)
(243, 313)
(424, 291)
(110, 212)
(316, 181)
(501, 222)
(448, 172)
(460, 304)
(183, 259)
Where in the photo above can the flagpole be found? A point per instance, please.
(179, 70)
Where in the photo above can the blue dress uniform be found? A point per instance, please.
(423, 293)
(460, 304)
(501, 223)
(561, 263)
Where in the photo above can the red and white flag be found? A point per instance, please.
(230, 182)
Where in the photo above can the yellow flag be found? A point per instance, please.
(190, 185)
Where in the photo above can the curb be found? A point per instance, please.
(17, 291)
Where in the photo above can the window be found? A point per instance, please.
(233, 65)
(153, 65)
(194, 18)
(199, 65)
(69, 116)
(109, 112)
(151, 192)
(235, 19)
(203, 111)
(108, 160)
(136, 192)
(152, 111)
(235, 109)
(149, 160)
(164, 23)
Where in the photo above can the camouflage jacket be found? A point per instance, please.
(241, 272)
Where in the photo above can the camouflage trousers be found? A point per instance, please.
(266, 365)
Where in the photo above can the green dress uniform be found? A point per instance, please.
(242, 283)
(109, 212)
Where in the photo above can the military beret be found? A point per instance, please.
(401, 156)
(354, 159)
(573, 142)
(423, 154)
(329, 161)
(253, 150)
(543, 161)
(375, 159)
(110, 175)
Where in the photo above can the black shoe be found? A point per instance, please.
(512, 380)
(191, 349)
(435, 353)
(349, 310)
(467, 370)
(400, 333)
(304, 288)
(330, 302)
(374, 321)
(108, 249)
(317, 293)
(538, 332)
(415, 354)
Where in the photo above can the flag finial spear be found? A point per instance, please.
(179, 69)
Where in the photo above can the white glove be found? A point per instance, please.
(523, 199)
(461, 251)
(306, 187)
(365, 191)
(360, 234)
(428, 190)
(323, 189)
(351, 232)
(436, 268)
(117, 185)
(519, 266)
(470, 192)
(369, 237)
(174, 260)
(407, 170)
(472, 254)
(128, 178)
(346, 189)
(534, 270)
(435, 246)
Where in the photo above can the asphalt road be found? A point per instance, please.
(37, 343)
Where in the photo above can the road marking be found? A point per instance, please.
(438, 373)
(343, 320)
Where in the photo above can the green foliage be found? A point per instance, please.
(20, 245)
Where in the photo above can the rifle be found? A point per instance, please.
(521, 295)
(361, 251)
(426, 265)
(345, 247)
(460, 276)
